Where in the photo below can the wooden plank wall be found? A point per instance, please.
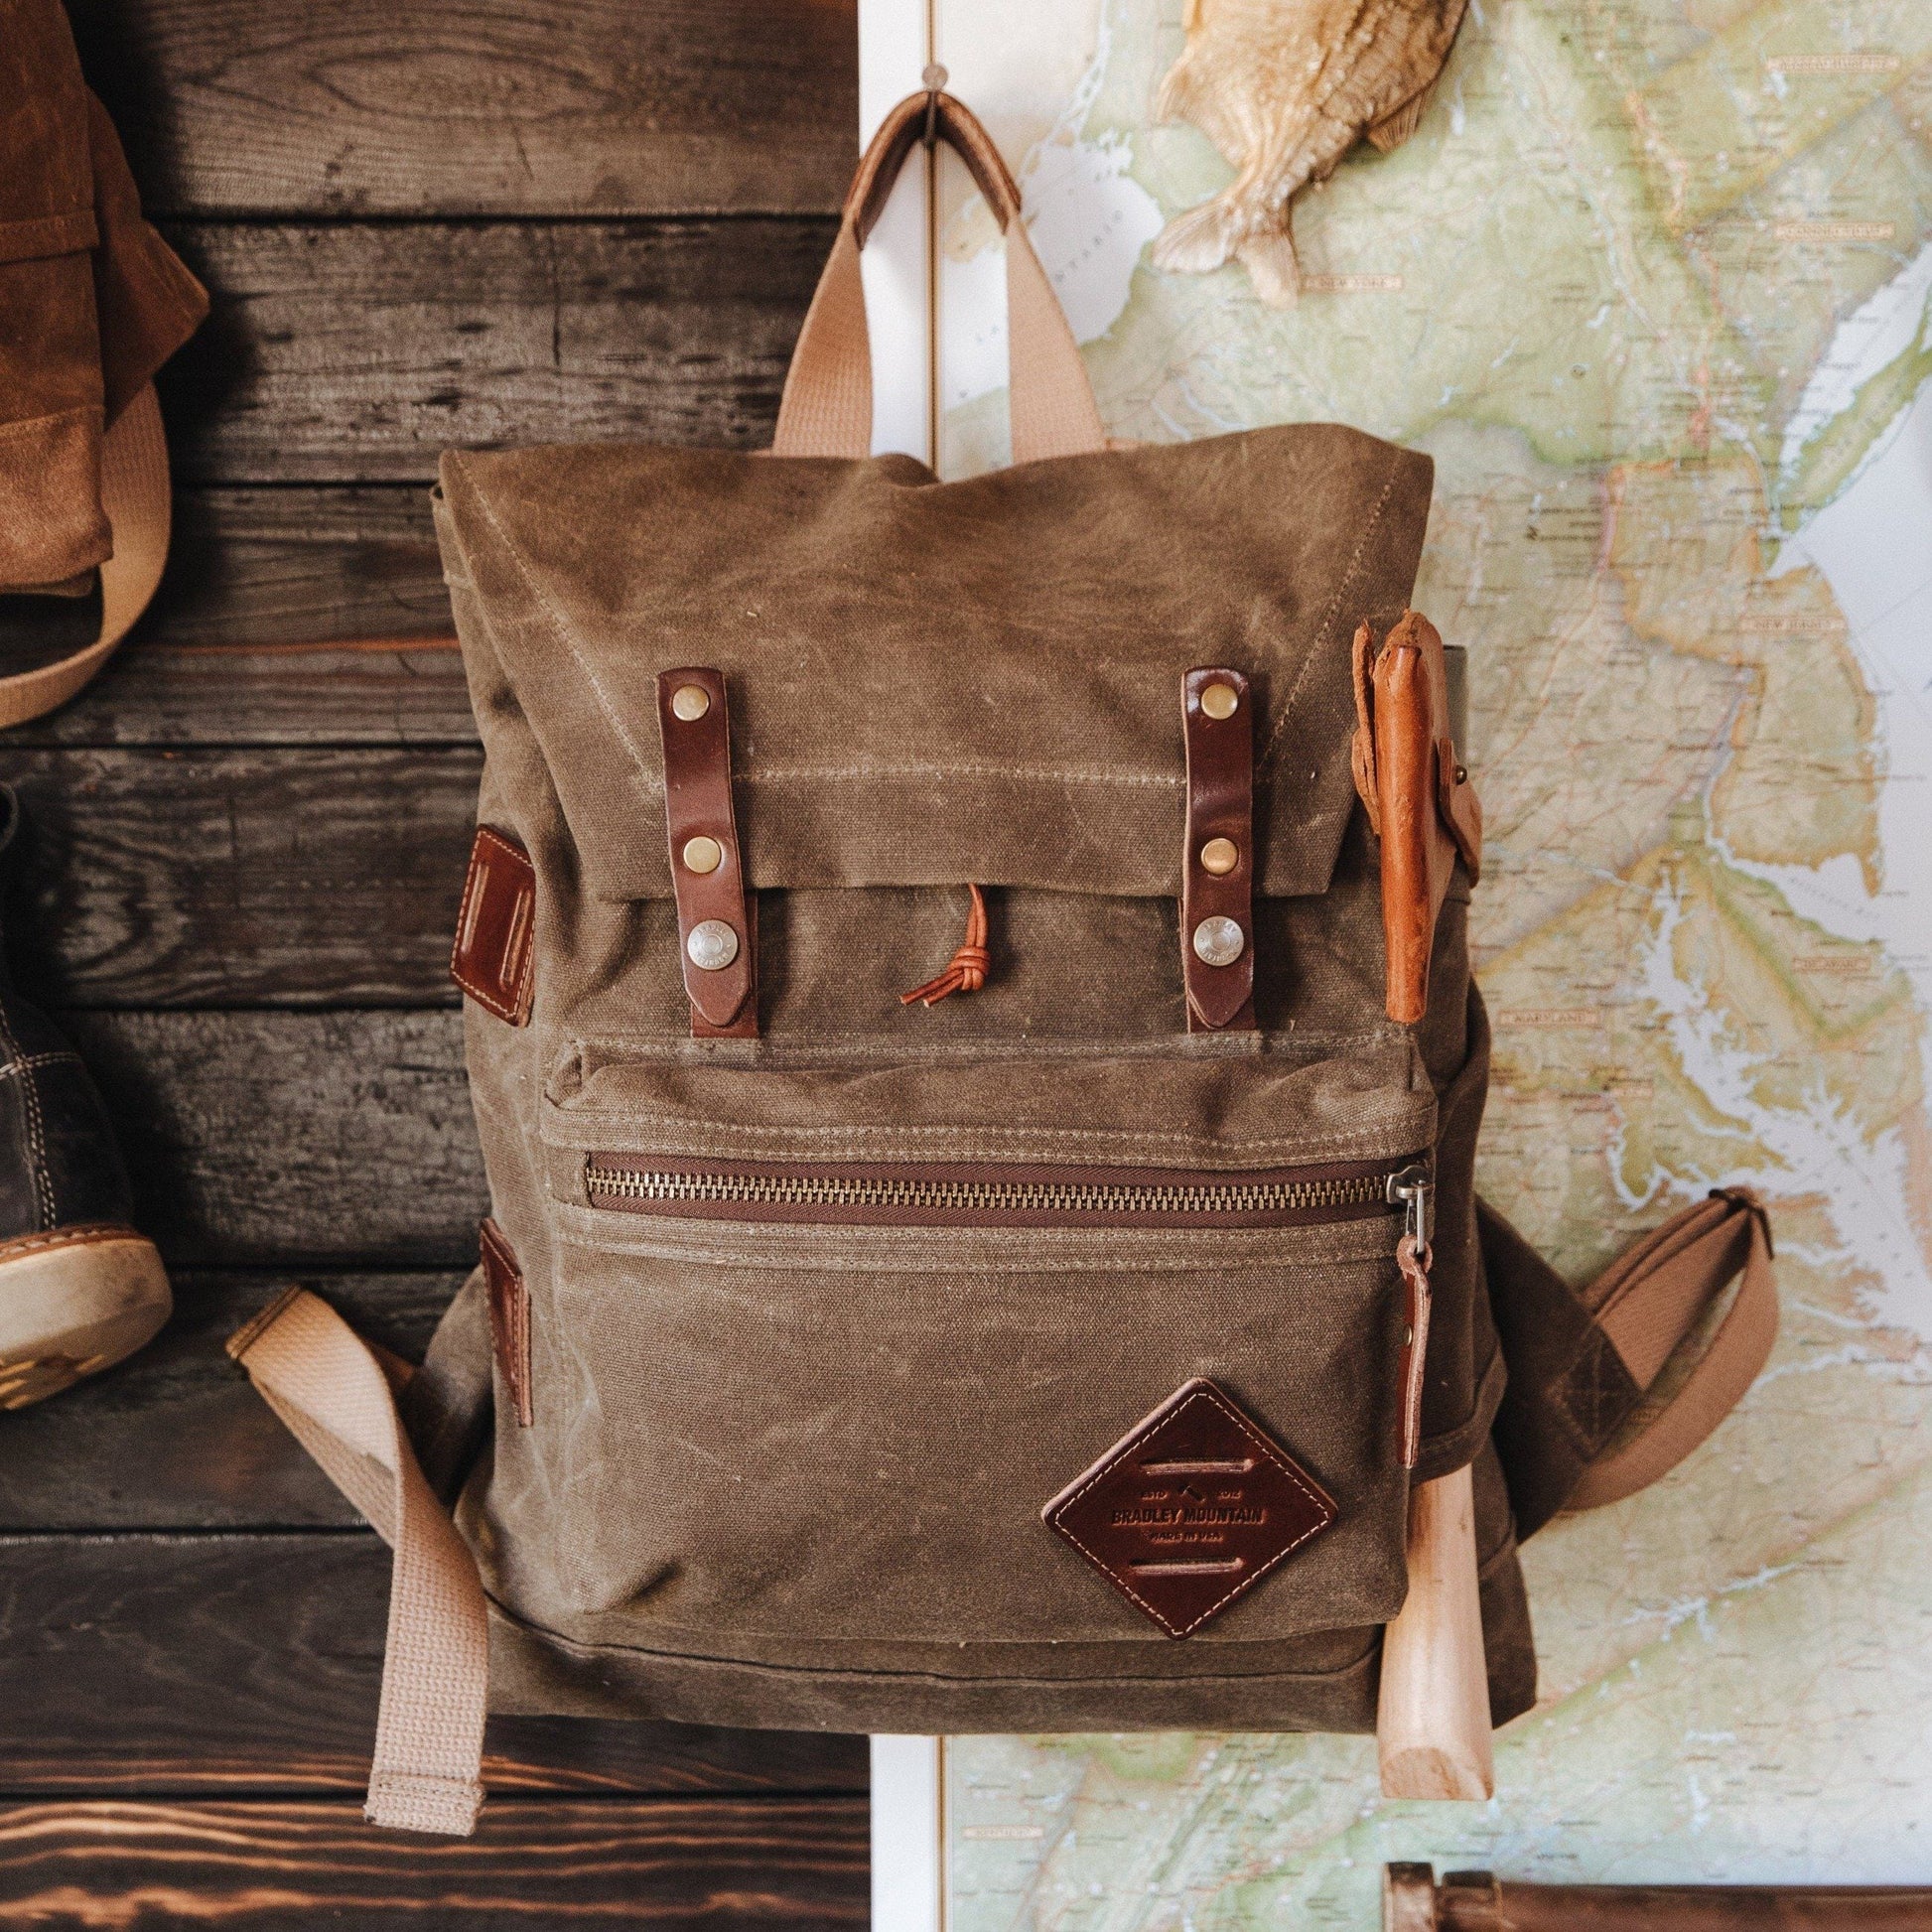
(422, 222)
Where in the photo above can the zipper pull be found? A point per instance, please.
(1412, 1190)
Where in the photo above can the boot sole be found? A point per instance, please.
(72, 1302)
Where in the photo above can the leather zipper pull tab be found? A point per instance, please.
(1412, 1190)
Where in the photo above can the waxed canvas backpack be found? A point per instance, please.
(971, 1031)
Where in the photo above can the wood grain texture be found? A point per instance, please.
(424, 223)
(800, 1863)
(175, 1438)
(297, 565)
(296, 616)
(354, 353)
(521, 107)
(209, 1664)
(281, 1140)
(241, 878)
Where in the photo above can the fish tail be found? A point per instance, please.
(1200, 240)
(1268, 254)
(1176, 91)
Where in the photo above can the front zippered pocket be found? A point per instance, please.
(988, 1194)
(827, 1339)
(992, 1196)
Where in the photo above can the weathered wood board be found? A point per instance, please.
(351, 353)
(539, 108)
(291, 1867)
(283, 1139)
(274, 877)
(251, 1662)
(420, 226)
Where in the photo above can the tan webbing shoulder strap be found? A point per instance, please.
(827, 405)
(337, 1394)
(1650, 1298)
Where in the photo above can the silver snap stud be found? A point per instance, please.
(1218, 941)
(712, 946)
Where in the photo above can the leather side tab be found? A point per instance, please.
(717, 946)
(1427, 812)
(510, 1318)
(1218, 951)
(495, 957)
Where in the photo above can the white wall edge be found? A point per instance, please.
(909, 1829)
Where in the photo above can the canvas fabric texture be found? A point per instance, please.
(845, 1436)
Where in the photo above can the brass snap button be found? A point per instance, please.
(1218, 941)
(712, 946)
(690, 702)
(702, 854)
(1219, 700)
(1220, 857)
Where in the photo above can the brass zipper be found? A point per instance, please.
(982, 1194)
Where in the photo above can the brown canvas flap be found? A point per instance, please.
(934, 683)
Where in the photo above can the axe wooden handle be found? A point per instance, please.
(1432, 1725)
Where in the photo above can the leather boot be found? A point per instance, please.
(79, 1287)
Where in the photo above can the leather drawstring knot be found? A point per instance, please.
(966, 973)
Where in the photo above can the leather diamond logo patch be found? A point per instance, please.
(1193, 1505)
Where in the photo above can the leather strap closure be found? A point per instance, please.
(717, 944)
(1218, 921)
(1421, 803)
(826, 410)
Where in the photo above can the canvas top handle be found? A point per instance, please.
(827, 406)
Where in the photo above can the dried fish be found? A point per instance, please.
(1285, 88)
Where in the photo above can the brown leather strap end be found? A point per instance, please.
(493, 959)
(1480, 1901)
(1218, 921)
(717, 944)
